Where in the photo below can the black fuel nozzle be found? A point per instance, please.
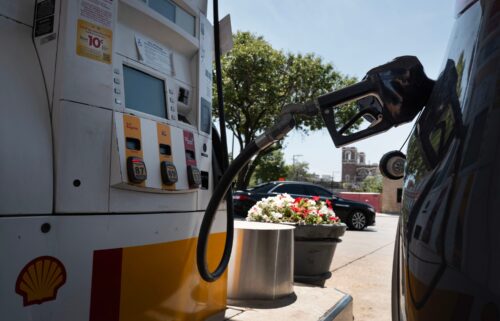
(389, 95)
(403, 87)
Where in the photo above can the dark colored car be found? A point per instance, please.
(447, 254)
(447, 249)
(355, 214)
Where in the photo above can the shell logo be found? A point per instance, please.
(40, 279)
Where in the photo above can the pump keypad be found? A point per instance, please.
(194, 176)
(168, 173)
(136, 170)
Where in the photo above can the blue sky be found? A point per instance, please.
(355, 36)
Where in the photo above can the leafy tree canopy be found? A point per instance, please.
(259, 80)
(372, 184)
(299, 171)
(271, 167)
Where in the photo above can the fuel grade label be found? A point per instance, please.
(94, 42)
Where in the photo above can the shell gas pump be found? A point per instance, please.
(105, 126)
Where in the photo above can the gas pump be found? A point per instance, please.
(107, 139)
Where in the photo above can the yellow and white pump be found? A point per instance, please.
(106, 160)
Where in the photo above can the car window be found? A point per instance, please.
(290, 189)
(317, 191)
(263, 188)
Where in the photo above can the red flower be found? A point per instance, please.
(329, 204)
(334, 218)
(315, 198)
(297, 200)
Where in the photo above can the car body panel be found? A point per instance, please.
(447, 254)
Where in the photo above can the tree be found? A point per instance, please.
(271, 167)
(299, 171)
(259, 80)
(372, 184)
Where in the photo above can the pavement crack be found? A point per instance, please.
(362, 257)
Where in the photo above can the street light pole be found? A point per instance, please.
(293, 165)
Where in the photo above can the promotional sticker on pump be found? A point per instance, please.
(97, 11)
(94, 42)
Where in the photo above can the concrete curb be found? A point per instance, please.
(341, 311)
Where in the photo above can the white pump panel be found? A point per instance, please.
(129, 70)
(105, 138)
(25, 129)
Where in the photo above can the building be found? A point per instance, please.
(354, 166)
(355, 169)
(391, 195)
(326, 178)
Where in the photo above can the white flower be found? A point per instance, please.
(276, 215)
(274, 208)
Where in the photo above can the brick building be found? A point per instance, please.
(354, 166)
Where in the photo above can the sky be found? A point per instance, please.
(354, 36)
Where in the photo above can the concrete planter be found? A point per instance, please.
(313, 251)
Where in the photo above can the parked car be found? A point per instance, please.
(447, 258)
(355, 214)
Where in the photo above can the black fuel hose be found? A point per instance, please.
(206, 225)
(212, 209)
(283, 125)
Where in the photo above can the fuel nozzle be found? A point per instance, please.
(389, 95)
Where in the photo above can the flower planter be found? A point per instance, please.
(313, 251)
(317, 232)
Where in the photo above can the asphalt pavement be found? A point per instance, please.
(362, 267)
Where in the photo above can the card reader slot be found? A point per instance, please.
(204, 180)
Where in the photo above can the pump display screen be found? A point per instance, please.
(144, 92)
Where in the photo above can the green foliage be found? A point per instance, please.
(417, 167)
(372, 184)
(299, 172)
(259, 80)
(271, 167)
(460, 73)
